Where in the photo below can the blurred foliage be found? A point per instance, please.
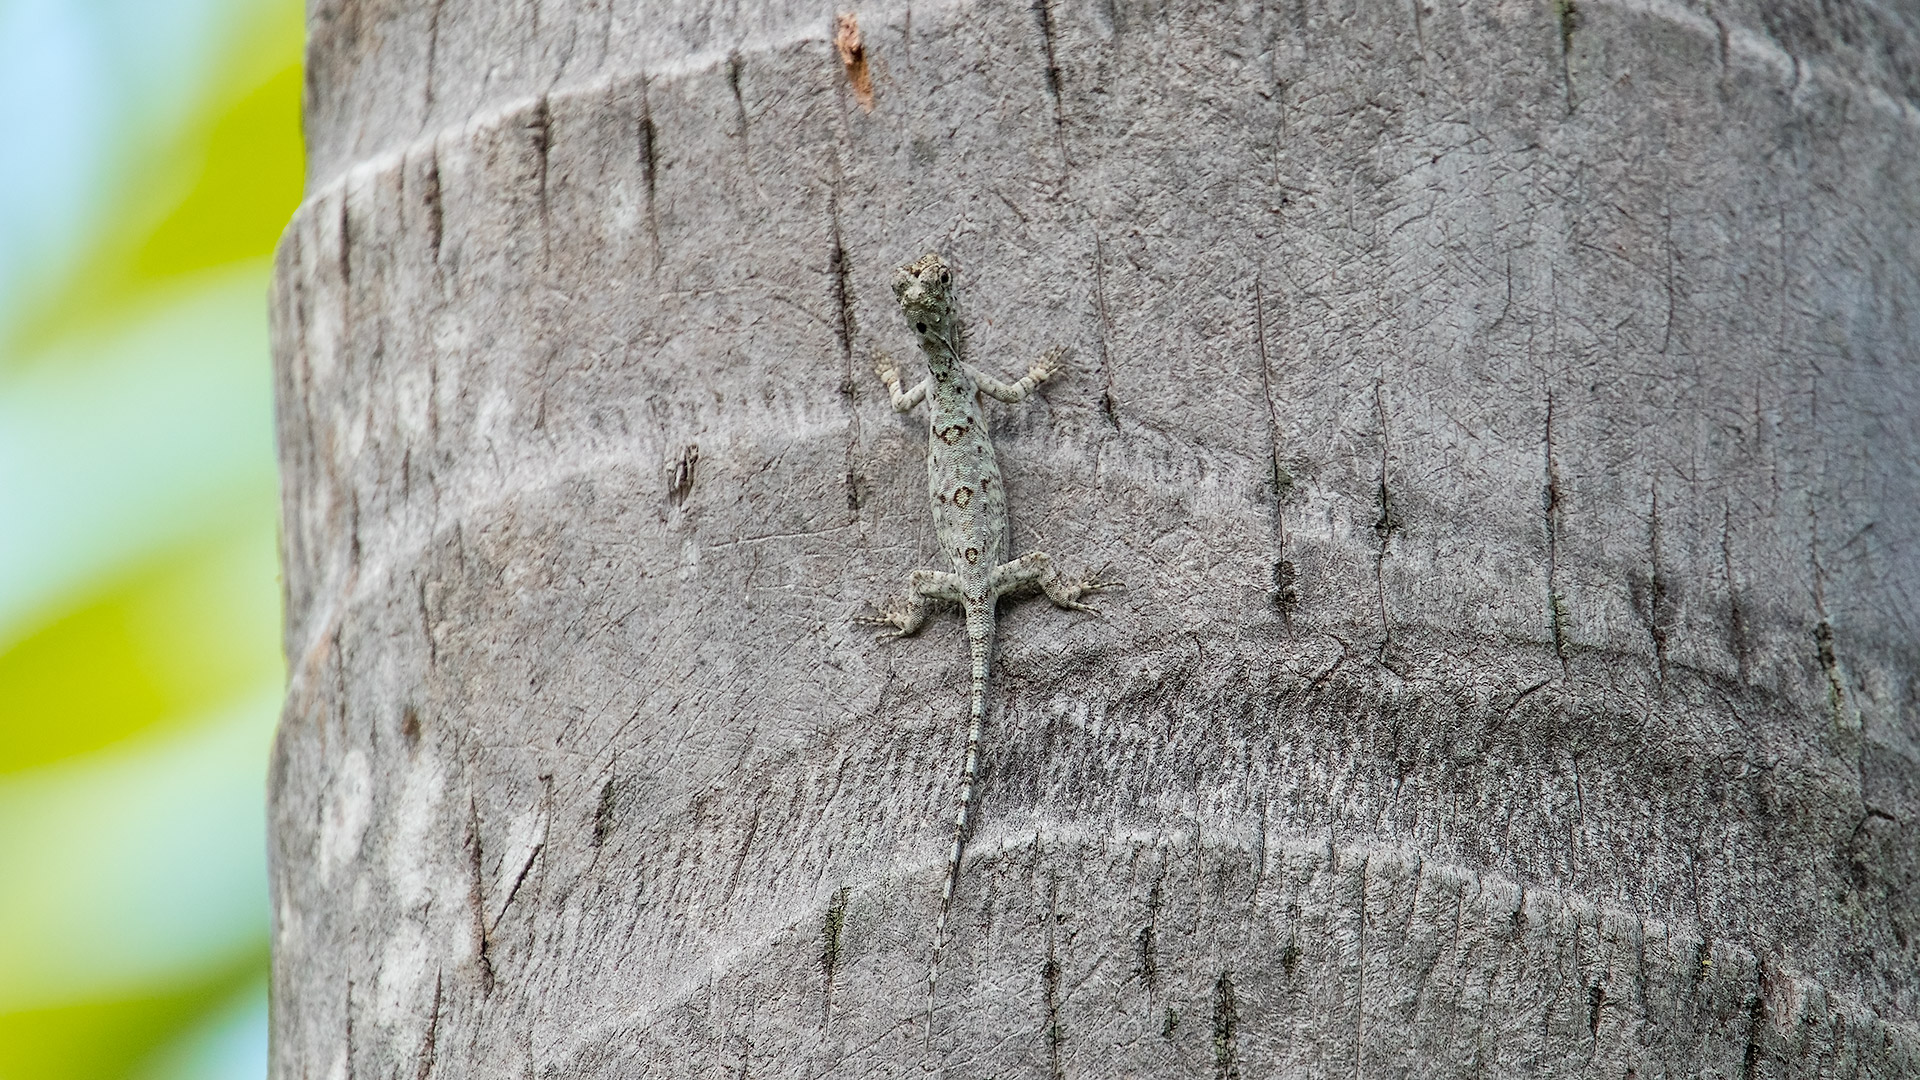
(140, 662)
(215, 192)
(165, 644)
(119, 1037)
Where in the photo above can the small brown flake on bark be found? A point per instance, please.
(680, 476)
(853, 55)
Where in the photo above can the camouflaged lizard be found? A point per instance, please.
(969, 515)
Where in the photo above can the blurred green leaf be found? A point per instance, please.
(217, 190)
(115, 1037)
(140, 665)
(167, 644)
(134, 443)
(136, 865)
(248, 185)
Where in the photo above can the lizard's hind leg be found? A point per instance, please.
(909, 613)
(1035, 570)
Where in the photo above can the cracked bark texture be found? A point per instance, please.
(1503, 413)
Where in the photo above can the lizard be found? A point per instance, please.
(970, 517)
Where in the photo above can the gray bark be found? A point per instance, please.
(1503, 414)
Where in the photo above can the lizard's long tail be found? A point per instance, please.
(980, 644)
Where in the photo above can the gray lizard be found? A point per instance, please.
(969, 515)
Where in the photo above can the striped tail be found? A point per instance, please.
(980, 643)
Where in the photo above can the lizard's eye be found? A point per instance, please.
(920, 327)
(946, 278)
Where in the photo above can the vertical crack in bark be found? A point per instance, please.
(1285, 597)
(433, 420)
(837, 268)
(735, 63)
(1226, 1029)
(1566, 16)
(427, 1050)
(353, 533)
(1579, 814)
(1043, 15)
(1360, 978)
(603, 814)
(830, 949)
(1050, 986)
(1146, 948)
(337, 658)
(1725, 41)
(540, 133)
(433, 53)
(518, 880)
(606, 32)
(533, 857)
(349, 1032)
(1260, 853)
(1823, 627)
(1386, 525)
(1659, 601)
(1290, 952)
(1106, 328)
(1666, 224)
(345, 265)
(1423, 971)
(1737, 629)
(430, 195)
(649, 165)
(840, 273)
(1556, 603)
(1756, 1016)
(1830, 665)
(1781, 301)
(476, 899)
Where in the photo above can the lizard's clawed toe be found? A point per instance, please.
(896, 624)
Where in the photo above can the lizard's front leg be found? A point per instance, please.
(903, 401)
(1035, 570)
(908, 614)
(1043, 369)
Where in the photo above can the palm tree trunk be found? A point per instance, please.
(1502, 414)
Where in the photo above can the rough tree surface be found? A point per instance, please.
(1502, 413)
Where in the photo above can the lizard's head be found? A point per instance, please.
(924, 287)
